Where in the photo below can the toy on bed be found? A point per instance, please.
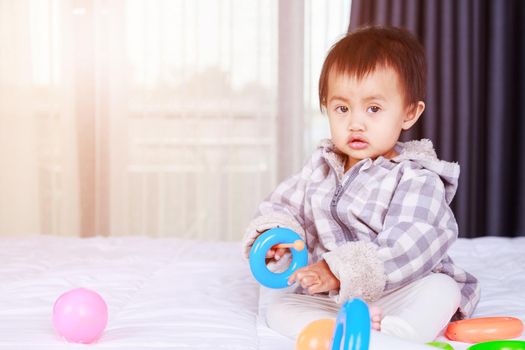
(488, 332)
(350, 331)
(281, 238)
(80, 315)
(441, 345)
(499, 345)
(482, 329)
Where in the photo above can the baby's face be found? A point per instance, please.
(366, 116)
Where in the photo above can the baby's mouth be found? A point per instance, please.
(357, 143)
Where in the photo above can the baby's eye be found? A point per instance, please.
(341, 109)
(373, 109)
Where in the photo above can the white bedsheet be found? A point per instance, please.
(181, 294)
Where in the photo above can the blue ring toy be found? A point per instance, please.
(258, 257)
(352, 327)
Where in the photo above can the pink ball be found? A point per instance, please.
(80, 315)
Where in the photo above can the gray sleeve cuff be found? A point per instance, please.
(359, 270)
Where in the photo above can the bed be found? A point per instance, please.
(170, 293)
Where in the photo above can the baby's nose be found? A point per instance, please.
(356, 125)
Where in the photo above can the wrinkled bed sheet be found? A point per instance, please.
(169, 293)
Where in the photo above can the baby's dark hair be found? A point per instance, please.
(361, 51)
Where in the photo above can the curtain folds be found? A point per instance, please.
(139, 117)
(476, 82)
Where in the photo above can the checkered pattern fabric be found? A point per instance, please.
(391, 217)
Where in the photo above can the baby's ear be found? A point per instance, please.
(413, 112)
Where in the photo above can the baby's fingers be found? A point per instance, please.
(270, 253)
(275, 253)
(315, 288)
(279, 252)
(292, 278)
(308, 281)
(296, 276)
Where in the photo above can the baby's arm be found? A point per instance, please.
(283, 208)
(278, 210)
(418, 229)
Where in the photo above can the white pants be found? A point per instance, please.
(417, 312)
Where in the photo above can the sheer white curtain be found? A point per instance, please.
(144, 117)
(195, 108)
(17, 192)
(136, 117)
(38, 181)
(324, 24)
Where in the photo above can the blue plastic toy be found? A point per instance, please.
(258, 257)
(352, 327)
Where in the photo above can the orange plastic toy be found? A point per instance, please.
(316, 336)
(476, 330)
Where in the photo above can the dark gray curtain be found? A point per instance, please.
(475, 111)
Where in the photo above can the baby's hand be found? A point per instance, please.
(275, 253)
(315, 278)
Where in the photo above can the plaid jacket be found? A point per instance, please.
(379, 226)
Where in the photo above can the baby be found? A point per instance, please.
(373, 211)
